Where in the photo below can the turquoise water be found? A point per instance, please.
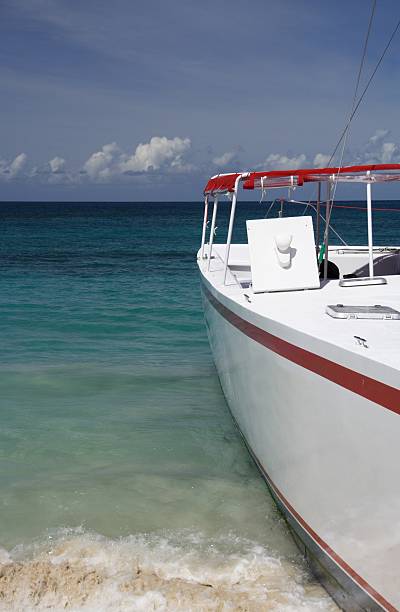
(117, 451)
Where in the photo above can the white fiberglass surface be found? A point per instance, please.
(282, 254)
(300, 316)
(332, 453)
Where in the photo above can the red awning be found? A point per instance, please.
(225, 183)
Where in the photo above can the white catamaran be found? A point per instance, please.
(307, 347)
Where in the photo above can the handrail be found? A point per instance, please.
(231, 220)
(203, 235)
(212, 230)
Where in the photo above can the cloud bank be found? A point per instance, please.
(159, 154)
(13, 169)
(276, 161)
(161, 158)
(225, 159)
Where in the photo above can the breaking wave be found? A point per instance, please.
(181, 571)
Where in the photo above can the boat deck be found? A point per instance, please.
(305, 314)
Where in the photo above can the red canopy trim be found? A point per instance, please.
(222, 183)
(225, 183)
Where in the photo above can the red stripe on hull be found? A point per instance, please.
(328, 550)
(371, 389)
(349, 379)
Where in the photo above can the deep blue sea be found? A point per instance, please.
(124, 483)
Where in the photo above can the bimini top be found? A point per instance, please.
(225, 183)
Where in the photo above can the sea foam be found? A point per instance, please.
(182, 571)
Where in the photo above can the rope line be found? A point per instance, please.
(354, 106)
(368, 83)
(347, 206)
(346, 130)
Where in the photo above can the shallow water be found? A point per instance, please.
(124, 483)
(178, 570)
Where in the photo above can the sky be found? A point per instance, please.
(141, 101)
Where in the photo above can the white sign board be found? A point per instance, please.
(282, 254)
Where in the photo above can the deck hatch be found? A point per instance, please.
(343, 311)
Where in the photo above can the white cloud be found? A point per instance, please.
(389, 152)
(161, 158)
(321, 160)
(57, 164)
(53, 172)
(225, 159)
(275, 161)
(379, 150)
(155, 154)
(379, 136)
(100, 163)
(159, 154)
(13, 169)
(18, 164)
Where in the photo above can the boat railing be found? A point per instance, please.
(292, 179)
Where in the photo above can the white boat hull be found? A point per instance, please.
(329, 453)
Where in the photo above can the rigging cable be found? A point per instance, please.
(346, 129)
(311, 205)
(368, 83)
(356, 105)
(343, 137)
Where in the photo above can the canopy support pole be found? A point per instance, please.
(231, 220)
(212, 230)
(370, 279)
(369, 221)
(318, 216)
(203, 235)
(327, 222)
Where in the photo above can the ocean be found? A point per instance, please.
(124, 483)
